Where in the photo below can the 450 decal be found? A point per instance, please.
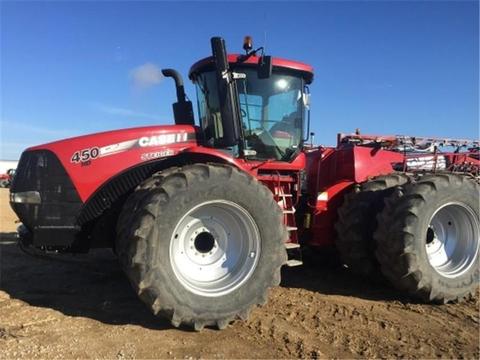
(85, 155)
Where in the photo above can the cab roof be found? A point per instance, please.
(277, 63)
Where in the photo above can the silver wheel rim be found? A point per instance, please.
(452, 239)
(215, 248)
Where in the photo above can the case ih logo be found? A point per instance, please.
(164, 139)
(84, 156)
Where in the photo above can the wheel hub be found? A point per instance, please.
(204, 242)
(214, 248)
(452, 239)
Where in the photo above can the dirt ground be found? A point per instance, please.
(83, 307)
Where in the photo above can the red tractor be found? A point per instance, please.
(202, 218)
(6, 179)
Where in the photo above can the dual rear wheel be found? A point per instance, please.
(425, 238)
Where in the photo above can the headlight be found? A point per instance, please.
(25, 197)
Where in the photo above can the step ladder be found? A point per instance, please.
(294, 253)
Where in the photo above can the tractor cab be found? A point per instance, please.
(268, 110)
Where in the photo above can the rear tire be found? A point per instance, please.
(202, 244)
(428, 238)
(357, 223)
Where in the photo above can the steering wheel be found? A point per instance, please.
(267, 138)
(243, 112)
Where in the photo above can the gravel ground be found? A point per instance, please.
(83, 307)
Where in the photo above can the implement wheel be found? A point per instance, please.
(202, 244)
(428, 238)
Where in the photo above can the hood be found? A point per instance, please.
(91, 160)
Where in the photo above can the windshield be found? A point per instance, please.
(272, 113)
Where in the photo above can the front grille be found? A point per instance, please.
(60, 204)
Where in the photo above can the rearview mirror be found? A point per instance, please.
(264, 67)
(306, 99)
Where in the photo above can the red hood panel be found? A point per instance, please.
(91, 160)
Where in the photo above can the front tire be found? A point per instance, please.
(428, 238)
(202, 244)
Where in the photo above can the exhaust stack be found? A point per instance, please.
(182, 109)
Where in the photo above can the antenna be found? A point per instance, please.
(264, 41)
(265, 32)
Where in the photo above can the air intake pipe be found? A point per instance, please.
(182, 109)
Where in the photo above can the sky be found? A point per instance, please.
(385, 67)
